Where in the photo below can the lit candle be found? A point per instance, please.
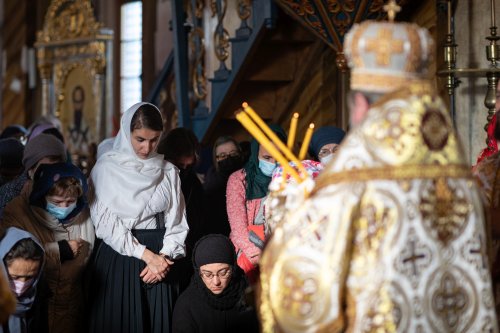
(252, 128)
(274, 138)
(307, 139)
(293, 130)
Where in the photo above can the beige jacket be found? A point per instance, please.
(64, 280)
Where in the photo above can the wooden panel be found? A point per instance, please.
(14, 88)
(148, 46)
(279, 65)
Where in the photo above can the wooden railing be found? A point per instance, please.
(211, 46)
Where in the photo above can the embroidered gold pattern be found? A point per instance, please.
(407, 172)
(381, 315)
(377, 216)
(296, 298)
(450, 301)
(444, 210)
(384, 46)
(414, 259)
(435, 130)
(381, 81)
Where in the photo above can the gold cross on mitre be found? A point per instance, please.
(392, 9)
(384, 45)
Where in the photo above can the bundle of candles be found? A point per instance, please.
(275, 147)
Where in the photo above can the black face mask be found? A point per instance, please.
(184, 174)
(229, 165)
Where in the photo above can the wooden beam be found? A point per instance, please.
(181, 66)
(148, 46)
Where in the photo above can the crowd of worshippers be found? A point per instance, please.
(145, 240)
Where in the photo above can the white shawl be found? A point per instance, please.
(122, 181)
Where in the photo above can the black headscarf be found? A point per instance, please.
(257, 183)
(216, 248)
(323, 136)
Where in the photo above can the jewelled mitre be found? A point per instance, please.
(385, 56)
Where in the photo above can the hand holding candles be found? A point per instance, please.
(251, 127)
(263, 126)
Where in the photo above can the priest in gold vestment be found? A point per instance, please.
(392, 238)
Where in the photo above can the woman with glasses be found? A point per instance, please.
(325, 142)
(227, 158)
(215, 298)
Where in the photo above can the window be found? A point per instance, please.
(131, 54)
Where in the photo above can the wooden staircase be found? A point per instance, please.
(271, 78)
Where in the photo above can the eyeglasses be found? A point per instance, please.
(325, 152)
(223, 156)
(222, 274)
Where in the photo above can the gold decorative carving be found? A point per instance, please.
(197, 49)
(331, 19)
(341, 61)
(198, 67)
(198, 10)
(244, 9)
(221, 35)
(69, 19)
(45, 71)
(71, 53)
(342, 14)
(306, 11)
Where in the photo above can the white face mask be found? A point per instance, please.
(19, 287)
(324, 160)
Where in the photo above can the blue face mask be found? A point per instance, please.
(60, 213)
(326, 159)
(266, 167)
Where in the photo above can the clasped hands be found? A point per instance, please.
(76, 246)
(157, 267)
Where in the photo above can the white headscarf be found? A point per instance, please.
(105, 146)
(122, 181)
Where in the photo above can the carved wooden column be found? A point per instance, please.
(46, 78)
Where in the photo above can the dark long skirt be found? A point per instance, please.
(120, 301)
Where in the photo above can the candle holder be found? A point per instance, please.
(492, 73)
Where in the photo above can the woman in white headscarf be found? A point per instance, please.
(138, 211)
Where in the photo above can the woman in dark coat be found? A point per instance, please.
(227, 158)
(215, 298)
